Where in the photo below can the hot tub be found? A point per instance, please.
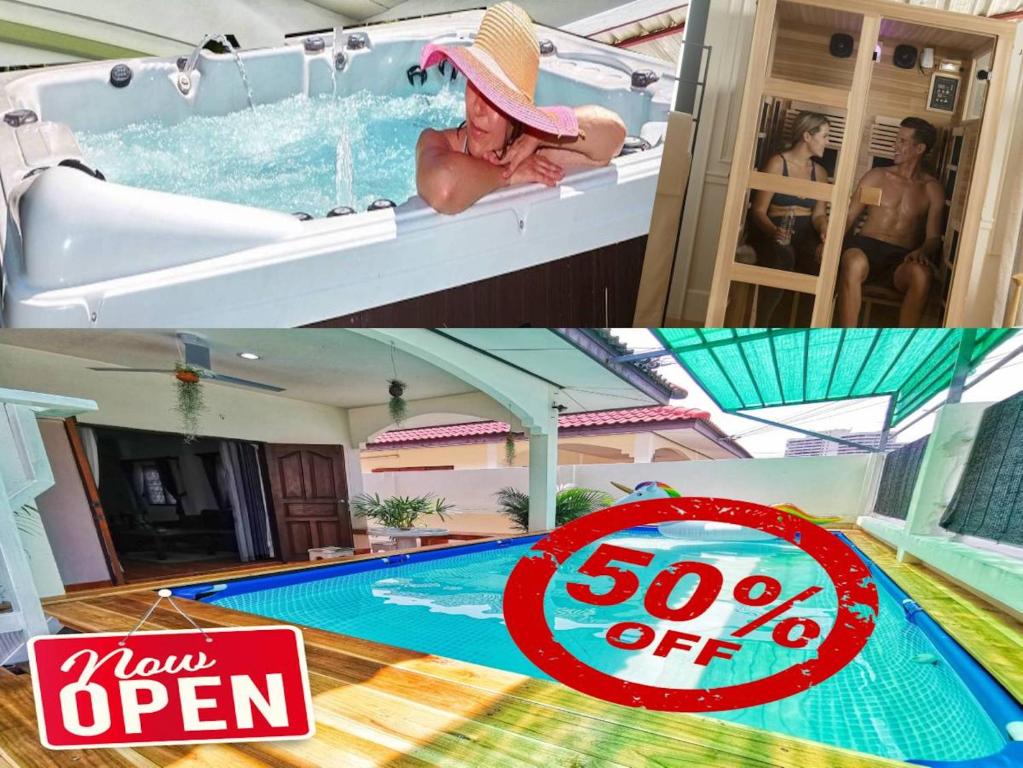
(186, 230)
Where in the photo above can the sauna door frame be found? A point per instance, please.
(760, 84)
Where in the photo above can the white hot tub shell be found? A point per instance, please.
(82, 252)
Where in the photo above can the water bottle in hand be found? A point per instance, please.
(787, 229)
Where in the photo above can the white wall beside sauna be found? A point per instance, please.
(729, 33)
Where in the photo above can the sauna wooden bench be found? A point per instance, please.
(381, 705)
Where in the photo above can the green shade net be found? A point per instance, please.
(757, 368)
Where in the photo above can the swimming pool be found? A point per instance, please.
(904, 696)
(195, 223)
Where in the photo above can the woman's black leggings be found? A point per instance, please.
(770, 253)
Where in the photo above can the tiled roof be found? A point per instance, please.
(632, 416)
(627, 416)
(649, 367)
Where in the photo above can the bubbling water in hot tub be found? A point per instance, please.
(299, 154)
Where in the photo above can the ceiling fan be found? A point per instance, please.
(197, 355)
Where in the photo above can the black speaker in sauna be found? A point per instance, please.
(841, 45)
(905, 57)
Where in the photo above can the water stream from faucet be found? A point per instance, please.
(338, 31)
(344, 168)
(193, 60)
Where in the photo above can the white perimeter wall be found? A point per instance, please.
(827, 485)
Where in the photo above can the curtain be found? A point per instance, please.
(138, 481)
(211, 466)
(989, 500)
(169, 481)
(898, 479)
(91, 448)
(244, 485)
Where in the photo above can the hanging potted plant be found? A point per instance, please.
(188, 383)
(509, 449)
(397, 405)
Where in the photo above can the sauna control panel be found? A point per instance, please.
(944, 93)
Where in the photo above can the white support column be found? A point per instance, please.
(24, 474)
(543, 473)
(353, 478)
(643, 448)
(494, 455)
(948, 450)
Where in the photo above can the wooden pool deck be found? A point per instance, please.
(378, 705)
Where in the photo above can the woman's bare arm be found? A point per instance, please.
(601, 137)
(600, 140)
(762, 201)
(451, 181)
(820, 208)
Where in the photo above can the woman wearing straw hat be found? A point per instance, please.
(506, 138)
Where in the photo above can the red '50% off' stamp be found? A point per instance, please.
(693, 625)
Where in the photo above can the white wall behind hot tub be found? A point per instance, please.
(842, 486)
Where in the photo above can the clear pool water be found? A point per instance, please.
(300, 154)
(896, 699)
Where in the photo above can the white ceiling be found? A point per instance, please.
(164, 29)
(332, 367)
(339, 367)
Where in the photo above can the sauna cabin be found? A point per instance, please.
(867, 65)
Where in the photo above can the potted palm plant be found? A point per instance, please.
(400, 512)
(570, 503)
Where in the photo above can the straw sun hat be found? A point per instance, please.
(504, 63)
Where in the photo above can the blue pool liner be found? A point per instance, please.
(211, 592)
(998, 703)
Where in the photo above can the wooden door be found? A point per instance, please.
(310, 498)
(99, 517)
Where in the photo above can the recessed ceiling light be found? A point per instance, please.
(248, 356)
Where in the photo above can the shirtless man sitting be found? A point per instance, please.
(901, 240)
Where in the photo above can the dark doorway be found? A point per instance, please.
(176, 508)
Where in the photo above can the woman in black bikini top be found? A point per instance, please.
(786, 229)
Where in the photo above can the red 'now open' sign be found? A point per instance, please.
(172, 687)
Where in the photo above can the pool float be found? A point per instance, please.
(690, 530)
(792, 509)
(699, 530)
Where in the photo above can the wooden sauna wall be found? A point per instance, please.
(801, 54)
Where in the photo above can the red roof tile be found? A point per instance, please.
(653, 414)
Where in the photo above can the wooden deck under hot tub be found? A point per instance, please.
(380, 705)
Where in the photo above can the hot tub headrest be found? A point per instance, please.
(78, 230)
